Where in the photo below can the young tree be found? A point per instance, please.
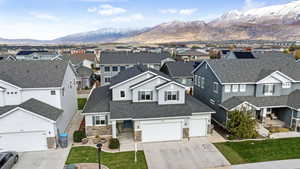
(241, 124)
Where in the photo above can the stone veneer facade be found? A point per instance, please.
(138, 135)
(98, 130)
(186, 132)
(51, 142)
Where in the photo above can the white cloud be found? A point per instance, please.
(188, 11)
(130, 18)
(43, 16)
(107, 10)
(179, 11)
(251, 4)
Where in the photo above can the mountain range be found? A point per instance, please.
(277, 22)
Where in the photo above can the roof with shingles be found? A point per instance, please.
(98, 101)
(83, 71)
(37, 107)
(115, 57)
(180, 69)
(33, 74)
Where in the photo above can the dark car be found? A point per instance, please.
(8, 159)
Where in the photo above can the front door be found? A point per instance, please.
(128, 124)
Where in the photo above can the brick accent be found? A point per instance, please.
(186, 132)
(51, 142)
(98, 130)
(138, 135)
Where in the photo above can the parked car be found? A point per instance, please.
(8, 159)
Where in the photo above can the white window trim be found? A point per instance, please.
(177, 95)
(121, 94)
(286, 85)
(202, 82)
(242, 88)
(101, 117)
(227, 88)
(212, 101)
(268, 93)
(235, 90)
(216, 87)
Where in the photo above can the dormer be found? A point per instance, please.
(171, 92)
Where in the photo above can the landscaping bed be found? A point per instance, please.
(260, 151)
(81, 102)
(122, 160)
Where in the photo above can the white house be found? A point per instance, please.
(37, 101)
(148, 104)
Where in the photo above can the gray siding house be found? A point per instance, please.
(269, 88)
(112, 62)
(141, 101)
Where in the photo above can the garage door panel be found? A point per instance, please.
(164, 131)
(198, 127)
(23, 141)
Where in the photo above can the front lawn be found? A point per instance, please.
(259, 151)
(81, 102)
(123, 160)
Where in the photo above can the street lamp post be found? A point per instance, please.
(99, 146)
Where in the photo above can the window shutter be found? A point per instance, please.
(139, 95)
(177, 95)
(166, 96)
(151, 96)
(106, 119)
(94, 120)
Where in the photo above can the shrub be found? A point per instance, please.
(241, 124)
(114, 143)
(81, 102)
(78, 135)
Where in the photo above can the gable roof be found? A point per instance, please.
(98, 101)
(114, 57)
(83, 71)
(180, 69)
(251, 71)
(33, 74)
(37, 107)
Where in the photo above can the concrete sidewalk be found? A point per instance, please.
(284, 164)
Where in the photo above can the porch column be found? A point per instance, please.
(114, 129)
(263, 114)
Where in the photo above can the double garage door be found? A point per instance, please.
(23, 141)
(161, 131)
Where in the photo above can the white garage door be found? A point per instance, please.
(161, 131)
(23, 141)
(198, 127)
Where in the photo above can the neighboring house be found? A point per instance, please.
(37, 101)
(147, 104)
(240, 55)
(7, 57)
(191, 55)
(84, 77)
(112, 62)
(257, 55)
(224, 52)
(180, 71)
(85, 59)
(37, 55)
(269, 88)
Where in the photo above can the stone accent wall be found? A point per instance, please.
(186, 133)
(98, 130)
(138, 135)
(51, 142)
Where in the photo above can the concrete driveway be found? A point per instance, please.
(51, 159)
(194, 154)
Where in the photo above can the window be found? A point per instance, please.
(227, 88)
(269, 89)
(202, 82)
(122, 68)
(216, 87)
(63, 91)
(115, 68)
(286, 85)
(145, 95)
(199, 81)
(171, 95)
(235, 88)
(195, 80)
(53, 92)
(242, 88)
(107, 69)
(99, 120)
(122, 94)
(107, 79)
(212, 101)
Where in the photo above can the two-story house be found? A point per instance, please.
(142, 101)
(112, 62)
(269, 88)
(37, 55)
(181, 72)
(37, 101)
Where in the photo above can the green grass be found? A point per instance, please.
(259, 151)
(123, 160)
(81, 102)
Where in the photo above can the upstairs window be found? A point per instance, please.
(202, 82)
(216, 87)
(53, 92)
(286, 85)
(122, 68)
(107, 79)
(171, 95)
(235, 88)
(122, 94)
(227, 88)
(107, 69)
(195, 80)
(269, 89)
(115, 68)
(145, 95)
(242, 88)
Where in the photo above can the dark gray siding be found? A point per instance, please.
(250, 91)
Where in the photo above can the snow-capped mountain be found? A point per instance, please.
(276, 14)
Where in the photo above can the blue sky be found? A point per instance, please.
(49, 19)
